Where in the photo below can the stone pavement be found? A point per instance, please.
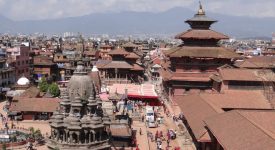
(145, 143)
(185, 141)
(142, 139)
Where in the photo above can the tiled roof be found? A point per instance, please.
(201, 34)
(168, 75)
(35, 104)
(195, 110)
(245, 64)
(203, 52)
(100, 63)
(259, 62)
(232, 74)
(117, 64)
(198, 107)
(118, 51)
(203, 18)
(31, 92)
(238, 99)
(137, 67)
(132, 55)
(244, 130)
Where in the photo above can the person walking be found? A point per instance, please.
(168, 135)
(152, 137)
(142, 118)
(156, 136)
(160, 134)
(140, 131)
(168, 142)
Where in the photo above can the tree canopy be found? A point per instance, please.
(43, 85)
(54, 90)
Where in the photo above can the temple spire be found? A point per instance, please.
(200, 11)
(200, 20)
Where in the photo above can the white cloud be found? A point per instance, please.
(50, 9)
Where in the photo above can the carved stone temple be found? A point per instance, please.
(80, 123)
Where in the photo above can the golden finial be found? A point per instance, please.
(201, 11)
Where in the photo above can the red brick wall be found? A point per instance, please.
(28, 116)
(22, 63)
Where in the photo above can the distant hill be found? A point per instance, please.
(169, 22)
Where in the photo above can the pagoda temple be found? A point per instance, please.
(188, 67)
(80, 123)
(123, 66)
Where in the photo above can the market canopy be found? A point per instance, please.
(134, 91)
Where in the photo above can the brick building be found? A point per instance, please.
(43, 66)
(18, 57)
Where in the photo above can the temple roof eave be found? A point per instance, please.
(201, 52)
(199, 18)
(201, 34)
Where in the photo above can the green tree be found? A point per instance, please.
(54, 90)
(32, 130)
(35, 134)
(43, 85)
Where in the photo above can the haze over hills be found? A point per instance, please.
(169, 22)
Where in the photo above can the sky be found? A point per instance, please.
(54, 9)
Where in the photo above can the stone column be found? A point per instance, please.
(71, 137)
(58, 135)
(78, 138)
(94, 136)
(64, 136)
(90, 137)
(85, 135)
(100, 135)
(67, 136)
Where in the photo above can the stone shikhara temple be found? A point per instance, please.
(80, 123)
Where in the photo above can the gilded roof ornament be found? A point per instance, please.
(200, 11)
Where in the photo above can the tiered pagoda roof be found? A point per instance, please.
(123, 61)
(117, 64)
(200, 41)
(202, 52)
(132, 56)
(201, 34)
(118, 51)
